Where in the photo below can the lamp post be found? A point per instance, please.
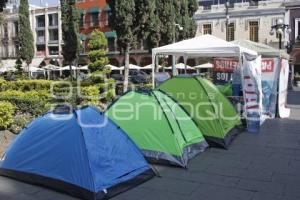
(227, 4)
(280, 29)
(180, 28)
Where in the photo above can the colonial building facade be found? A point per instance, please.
(9, 32)
(96, 15)
(293, 18)
(46, 28)
(246, 19)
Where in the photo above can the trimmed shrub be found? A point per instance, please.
(6, 114)
(33, 102)
(19, 122)
(25, 85)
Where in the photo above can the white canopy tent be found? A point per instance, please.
(202, 46)
(67, 68)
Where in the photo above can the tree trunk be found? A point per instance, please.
(71, 72)
(126, 69)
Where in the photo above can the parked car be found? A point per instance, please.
(117, 77)
(136, 76)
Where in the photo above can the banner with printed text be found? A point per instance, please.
(270, 74)
(224, 69)
(252, 89)
(284, 112)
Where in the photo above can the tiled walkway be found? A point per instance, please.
(256, 167)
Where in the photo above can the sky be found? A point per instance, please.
(43, 2)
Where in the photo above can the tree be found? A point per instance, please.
(154, 27)
(123, 16)
(2, 4)
(98, 53)
(166, 13)
(25, 36)
(70, 32)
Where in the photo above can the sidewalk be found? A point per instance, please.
(256, 167)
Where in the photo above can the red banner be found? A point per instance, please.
(267, 65)
(225, 65)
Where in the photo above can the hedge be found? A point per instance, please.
(6, 114)
(33, 102)
(25, 85)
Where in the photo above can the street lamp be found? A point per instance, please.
(227, 4)
(180, 28)
(280, 28)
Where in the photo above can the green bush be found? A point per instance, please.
(6, 114)
(33, 102)
(89, 95)
(25, 85)
(19, 122)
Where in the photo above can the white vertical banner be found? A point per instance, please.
(284, 112)
(252, 89)
(270, 76)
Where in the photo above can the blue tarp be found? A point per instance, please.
(78, 149)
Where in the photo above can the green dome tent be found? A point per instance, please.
(207, 106)
(159, 126)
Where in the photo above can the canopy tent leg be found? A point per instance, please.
(174, 70)
(153, 70)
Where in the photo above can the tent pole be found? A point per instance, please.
(174, 72)
(153, 70)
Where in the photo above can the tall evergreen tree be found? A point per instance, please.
(25, 36)
(167, 15)
(70, 30)
(154, 28)
(2, 4)
(123, 16)
(98, 52)
(193, 7)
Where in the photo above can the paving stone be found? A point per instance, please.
(211, 192)
(266, 196)
(292, 189)
(261, 186)
(171, 185)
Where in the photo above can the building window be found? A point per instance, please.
(253, 3)
(53, 35)
(53, 51)
(207, 29)
(297, 28)
(253, 25)
(230, 32)
(94, 19)
(81, 20)
(40, 37)
(40, 21)
(16, 25)
(53, 19)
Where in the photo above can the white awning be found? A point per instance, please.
(52, 67)
(67, 68)
(36, 62)
(114, 68)
(180, 66)
(204, 66)
(131, 66)
(150, 67)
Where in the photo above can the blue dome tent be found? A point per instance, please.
(82, 153)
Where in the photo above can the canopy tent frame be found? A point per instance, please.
(188, 49)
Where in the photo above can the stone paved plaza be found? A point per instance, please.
(256, 167)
